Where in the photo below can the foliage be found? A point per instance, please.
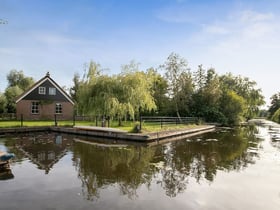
(276, 116)
(178, 77)
(11, 93)
(121, 96)
(274, 104)
(232, 107)
(17, 78)
(3, 103)
(17, 84)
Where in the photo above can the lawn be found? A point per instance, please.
(127, 126)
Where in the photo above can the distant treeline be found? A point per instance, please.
(172, 89)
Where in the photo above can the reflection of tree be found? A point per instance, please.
(202, 156)
(171, 165)
(99, 167)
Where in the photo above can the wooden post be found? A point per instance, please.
(74, 120)
(140, 123)
(96, 119)
(108, 121)
(21, 120)
(55, 121)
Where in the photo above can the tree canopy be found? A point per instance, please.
(17, 84)
(172, 89)
(226, 99)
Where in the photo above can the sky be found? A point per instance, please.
(241, 37)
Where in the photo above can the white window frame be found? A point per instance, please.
(52, 91)
(42, 90)
(34, 107)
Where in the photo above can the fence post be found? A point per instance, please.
(140, 123)
(55, 121)
(108, 121)
(161, 123)
(96, 118)
(21, 120)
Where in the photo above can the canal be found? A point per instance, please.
(226, 169)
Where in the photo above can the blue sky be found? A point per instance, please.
(235, 36)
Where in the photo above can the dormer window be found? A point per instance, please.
(42, 90)
(52, 91)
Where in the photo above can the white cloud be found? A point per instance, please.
(244, 43)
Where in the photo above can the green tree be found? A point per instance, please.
(276, 116)
(205, 100)
(274, 104)
(175, 67)
(11, 93)
(17, 78)
(159, 89)
(17, 83)
(245, 88)
(120, 95)
(232, 107)
(3, 103)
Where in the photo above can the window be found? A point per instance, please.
(52, 91)
(42, 90)
(35, 107)
(58, 108)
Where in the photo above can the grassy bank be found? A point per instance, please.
(127, 126)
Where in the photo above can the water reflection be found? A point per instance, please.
(43, 149)
(171, 165)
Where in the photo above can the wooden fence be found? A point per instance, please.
(167, 120)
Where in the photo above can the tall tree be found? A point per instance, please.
(174, 67)
(159, 91)
(17, 83)
(17, 78)
(245, 88)
(120, 95)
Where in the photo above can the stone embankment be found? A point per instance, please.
(111, 133)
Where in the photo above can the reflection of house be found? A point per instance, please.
(44, 150)
(44, 100)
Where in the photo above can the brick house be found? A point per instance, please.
(43, 101)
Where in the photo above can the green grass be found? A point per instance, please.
(127, 126)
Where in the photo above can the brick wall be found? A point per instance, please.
(46, 111)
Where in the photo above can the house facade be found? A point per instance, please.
(45, 100)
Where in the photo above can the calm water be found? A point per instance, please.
(227, 169)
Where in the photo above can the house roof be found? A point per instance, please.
(41, 81)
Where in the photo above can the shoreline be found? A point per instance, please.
(115, 134)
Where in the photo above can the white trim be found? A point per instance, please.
(37, 85)
(42, 90)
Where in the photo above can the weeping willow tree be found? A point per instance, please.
(120, 96)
